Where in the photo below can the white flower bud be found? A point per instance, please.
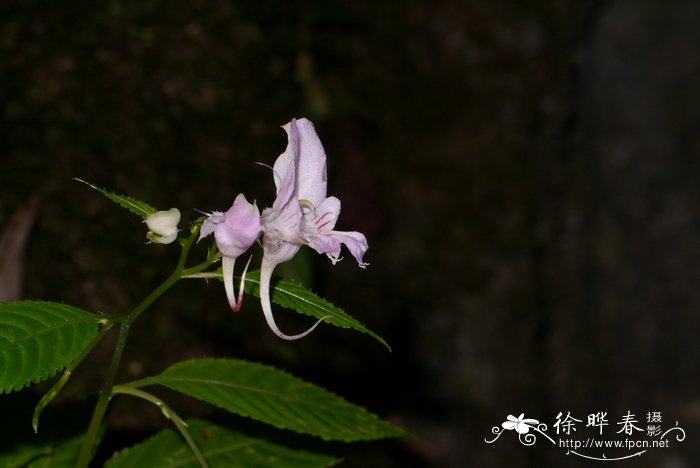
(162, 226)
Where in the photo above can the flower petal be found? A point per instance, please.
(163, 223)
(157, 239)
(311, 179)
(276, 250)
(322, 217)
(283, 223)
(240, 228)
(209, 224)
(329, 244)
(284, 170)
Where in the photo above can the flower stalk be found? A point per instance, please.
(125, 321)
(180, 424)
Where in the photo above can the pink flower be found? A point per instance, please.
(235, 231)
(302, 214)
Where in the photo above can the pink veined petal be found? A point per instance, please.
(317, 228)
(311, 179)
(325, 244)
(266, 270)
(329, 243)
(323, 217)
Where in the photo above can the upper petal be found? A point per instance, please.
(311, 176)
(284, 170)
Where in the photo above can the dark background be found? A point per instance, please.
(526, 174)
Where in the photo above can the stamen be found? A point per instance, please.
(278, 179)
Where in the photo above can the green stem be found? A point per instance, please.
(196, 269)
(168, 413)
(103, 400)
(126, 320)
(51, 394)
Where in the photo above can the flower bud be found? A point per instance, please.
(162, 226)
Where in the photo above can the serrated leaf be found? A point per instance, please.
(296, 297)
(137, 207)
(274, 397)
(221, 447)
(38, 339)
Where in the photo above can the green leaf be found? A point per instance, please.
(137, 207)
(294, 296)
(38, 339)
(43, 454)
(23, 453)
(64, 454)
(221, 447)
(274, 397)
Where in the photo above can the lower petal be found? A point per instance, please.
(329, 243)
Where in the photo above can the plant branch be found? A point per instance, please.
(51, 394)
(168, 413)
(103, 400)
(125, 321)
